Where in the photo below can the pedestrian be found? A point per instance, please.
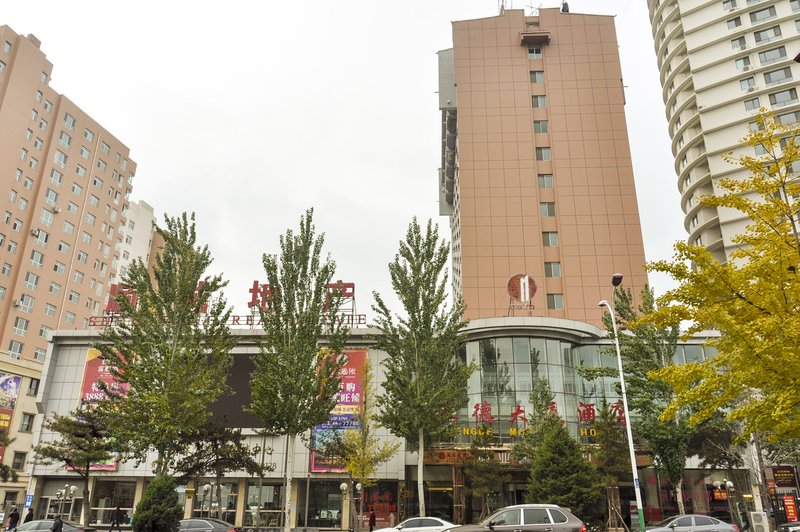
(58, 525)
(392, 519)
(372, 520)
(13, 519)
(28, 516)
(116, 519)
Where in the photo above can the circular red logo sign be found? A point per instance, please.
(521, 287)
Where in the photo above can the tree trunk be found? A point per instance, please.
(218, 480)
(420, 469)
(679, 497)
(86, 501)
(287, 509)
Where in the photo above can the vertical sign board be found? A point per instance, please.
(9, 391)
(344, 415)
(95, 371)
(790, 508)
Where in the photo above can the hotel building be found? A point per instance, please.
(536, 172)
(719, 62)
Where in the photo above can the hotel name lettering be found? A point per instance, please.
(259, 301)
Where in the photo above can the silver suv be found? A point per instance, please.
(529, 518)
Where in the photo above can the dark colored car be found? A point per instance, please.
(693, 523)
(206, 524)
(46, 525)
(529, 518)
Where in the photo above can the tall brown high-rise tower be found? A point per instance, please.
(536, 168)
(64, 186)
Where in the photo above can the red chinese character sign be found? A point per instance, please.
(483, 413)
(96, 371)
(344, 415)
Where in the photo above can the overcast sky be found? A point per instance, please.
(249, 112)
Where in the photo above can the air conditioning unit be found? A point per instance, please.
(745, 69)
(751, 89)
(35, 232)
(56, 209)
(743, 47)
(759, 521)
(17, 303)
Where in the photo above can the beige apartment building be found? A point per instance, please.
(64, 187)
(536, 170)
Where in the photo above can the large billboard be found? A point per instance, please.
(344, 415)
(9, 391)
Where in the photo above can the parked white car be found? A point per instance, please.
(420, 524)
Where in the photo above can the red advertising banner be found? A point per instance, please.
(9, 391)
(96, 370)
(344, 415)
(790, 507)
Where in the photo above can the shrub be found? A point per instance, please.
(158, 511)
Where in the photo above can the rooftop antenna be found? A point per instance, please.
(501, 5)
(534, 10)
(564, 6)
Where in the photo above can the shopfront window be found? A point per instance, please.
(264, 509)
(208, 502)
(107, 495)
(324, 504)
(61, 496)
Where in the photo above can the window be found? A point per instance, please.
(43, 124)
(64, 139)
(20, 327)
(59, 267)
(555, 301)
(69, 121)
(55, 288)
(105, 148)
(762, 14)
(56, 177)
(767, 34)
(82, 257)
(34, 114)
(539, 101)
(77, 276)
(543, 154)
(550, 239)
(7, 47)
(86, 237)
(552, 269)
(734, 23)
(795, 5)
(537, 76)
(540, 126)
(71, 207)
(96, 181)
(789, 118)
(48, 105)
(69, 318)
(77, 189)
(34, 162)
(63, 247)
(31, 281)
(73, 297)
(33, 386)
(88, 135)
(787, 97)
(752, 104)
(545, 180)
(37, 259)
(51, 196)
(37, 143)
(94, 201)
(5, 270)
(729, 4)
(778, 76)
(50, 310)
(547, 208)
(39, 353)
(42, 237)
(60, 158)
(90, 218)
(84, 152)
(747, 83)
(773, 55)
(534, 53)
(18, 463)
(738, 42)
(26, 425)
(80, 170)
(12, 247)
(28, 183)
(23, 154)
(68, 227)
(26, 303)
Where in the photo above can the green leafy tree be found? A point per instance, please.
(542, 419)
(170, 352)
(612, 464)
(6, 473)
(295, 381)
(485, 474)
(218, 449)
(425, 381)
(158, 510)
(82, 439)
(753, 299)
(560, 475)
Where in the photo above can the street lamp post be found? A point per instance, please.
(616, 281)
